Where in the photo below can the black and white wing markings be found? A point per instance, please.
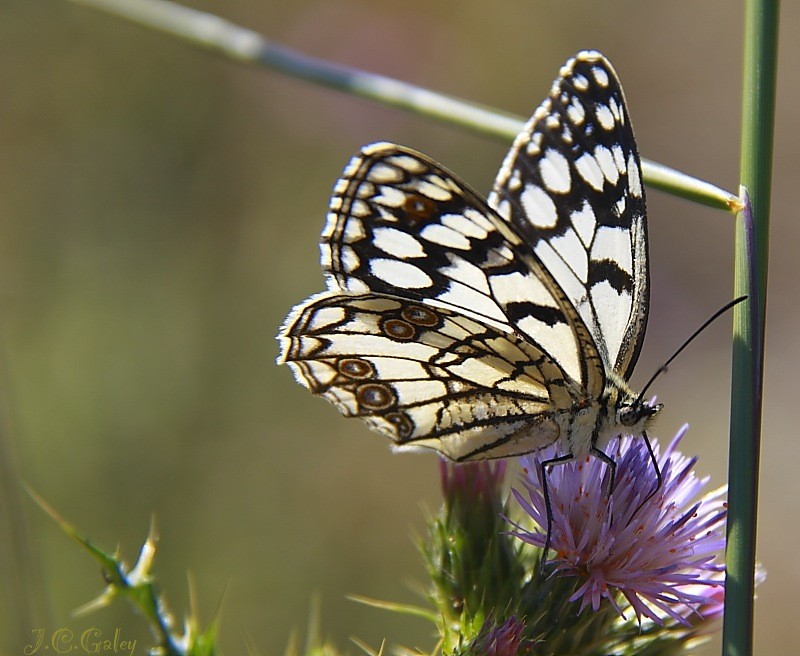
(401, 224)
(572, 185)
(485, 330)
(428, 377)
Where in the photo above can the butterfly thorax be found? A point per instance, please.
(617, 411)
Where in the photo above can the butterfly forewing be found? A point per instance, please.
(572, 186)
(401, 224)
(427, 376)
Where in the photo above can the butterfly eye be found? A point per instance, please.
(628, 415)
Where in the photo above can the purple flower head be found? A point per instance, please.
(503, 640)
(472, 481)
(659, 555)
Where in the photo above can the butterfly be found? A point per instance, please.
(487, 328)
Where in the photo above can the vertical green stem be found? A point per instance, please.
(758, 109)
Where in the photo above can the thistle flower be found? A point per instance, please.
(471, 483)
(473, 563)
(505, 639)
(658, 554)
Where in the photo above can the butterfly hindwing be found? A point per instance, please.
(572, 185)
(426, 376)
(401, 224)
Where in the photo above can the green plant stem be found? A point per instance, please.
(245, 46)
(758, 109)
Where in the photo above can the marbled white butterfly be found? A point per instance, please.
(485, 329)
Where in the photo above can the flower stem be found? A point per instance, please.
(758, 109)
(246, 46)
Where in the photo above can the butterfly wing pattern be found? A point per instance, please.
(572, 185)
(488, 329)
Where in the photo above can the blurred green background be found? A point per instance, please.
(160, 214)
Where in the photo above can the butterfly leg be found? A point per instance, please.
(612, 468)
(560, 460)
(658, 472)
(612, 476)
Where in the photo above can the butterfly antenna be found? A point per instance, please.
(705, 325)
